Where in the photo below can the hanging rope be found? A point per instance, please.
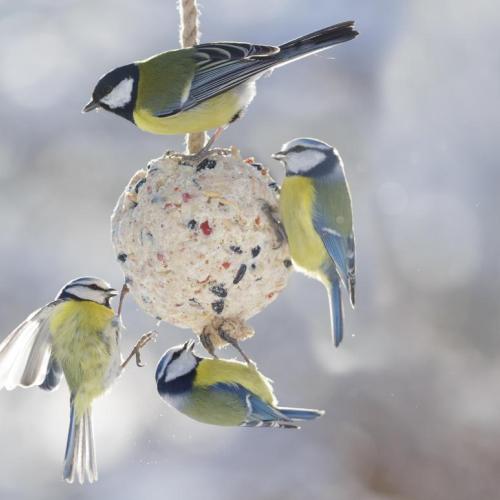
(189, 35)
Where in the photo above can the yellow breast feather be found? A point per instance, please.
(79, 330)
(296, 210)
(91, 316)
(210, 114)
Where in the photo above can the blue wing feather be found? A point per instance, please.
(335, 246)
(333, 203)
(259, 413)
(332, 221)
(262, 411)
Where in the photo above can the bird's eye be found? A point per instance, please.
(94, 287)
(297, 149)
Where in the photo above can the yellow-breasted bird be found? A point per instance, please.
(222, 392)
(202, 87)
(316, 212)
(76, 335)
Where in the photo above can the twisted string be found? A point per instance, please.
(189, 35)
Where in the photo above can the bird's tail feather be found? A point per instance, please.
(351, 266)
(79, 459)
(300, 413)
(316, 41)
(336, 313)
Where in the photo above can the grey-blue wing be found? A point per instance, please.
(333, 222)
(259, 413)
(335, 246)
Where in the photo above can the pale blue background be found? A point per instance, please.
(412, 396)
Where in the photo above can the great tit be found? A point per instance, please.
(222, 392)
(202, 87)
(76, 335)
(316, 212)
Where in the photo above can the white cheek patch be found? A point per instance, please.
(121, 95)
(299, 163)
(85, 293)
(185, 363)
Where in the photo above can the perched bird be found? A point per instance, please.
(202, 87)
(316, 212)
(76, 335)
(221, 392)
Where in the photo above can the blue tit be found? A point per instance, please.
(76, 335)
(202, 87)
(222, 392)
(316, 212)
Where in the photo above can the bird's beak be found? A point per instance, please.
(91, 105)
(280, 155)
(189, 345)
(112, 292)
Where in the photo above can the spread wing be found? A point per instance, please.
(25, 354)
(333, 223)
(221, 66)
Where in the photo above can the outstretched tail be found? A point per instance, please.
(336, 313)
(319, 40)
(296, 414)
(79, 459)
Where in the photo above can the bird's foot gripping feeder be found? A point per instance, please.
(197, 245)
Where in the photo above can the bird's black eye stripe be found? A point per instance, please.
(175, 355)
(96, 287)
(297, 149)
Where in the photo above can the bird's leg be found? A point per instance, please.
(124, 291)
(272, 216)
(206, 341)
(224, 335)
(206, 148)
(136, 351)
(212, 139)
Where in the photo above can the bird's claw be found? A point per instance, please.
(206, 342)
(272, 216)
(221, 329)
(136, 351)
(147, 337)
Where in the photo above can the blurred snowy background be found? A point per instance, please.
(412, 398)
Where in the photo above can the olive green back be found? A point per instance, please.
(164, 79)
